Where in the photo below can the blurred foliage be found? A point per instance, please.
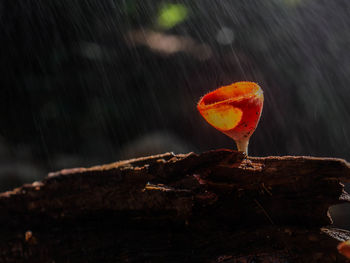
(171, 14)
(73, 84)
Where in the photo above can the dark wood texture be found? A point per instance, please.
(219, 206)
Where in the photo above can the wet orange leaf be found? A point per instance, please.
(344, 249)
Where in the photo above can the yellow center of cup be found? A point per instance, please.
(223, 117)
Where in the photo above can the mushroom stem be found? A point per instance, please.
(242, 145)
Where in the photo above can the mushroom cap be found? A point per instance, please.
(233, 109)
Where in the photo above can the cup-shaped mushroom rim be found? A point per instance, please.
(230, 93)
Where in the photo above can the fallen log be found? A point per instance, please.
(218, 206)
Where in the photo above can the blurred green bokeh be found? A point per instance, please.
(171, 14)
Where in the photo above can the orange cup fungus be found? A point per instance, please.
(234, 110)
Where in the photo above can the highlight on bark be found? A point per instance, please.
(234, 110)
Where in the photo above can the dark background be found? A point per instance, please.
(91, 82)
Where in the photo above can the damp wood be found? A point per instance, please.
(218, 206)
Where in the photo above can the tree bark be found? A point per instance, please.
(218, 206)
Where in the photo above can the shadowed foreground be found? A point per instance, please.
(219, 206)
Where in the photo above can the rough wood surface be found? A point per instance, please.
(219, 206)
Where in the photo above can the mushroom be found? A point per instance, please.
(234, 110)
